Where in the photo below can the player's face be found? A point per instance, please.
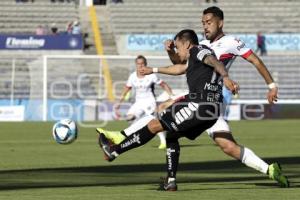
(212, 26)
(182, 49)
(139, 63)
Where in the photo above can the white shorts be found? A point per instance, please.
(140, 108)
(220, 126)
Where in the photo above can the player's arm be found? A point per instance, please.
(177, 69)
(123, 95)
(261, 68)
(170, 48)
(166, 88)
(212, 61)
(239, 48)
(264, 72)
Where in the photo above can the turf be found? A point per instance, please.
(33, 166)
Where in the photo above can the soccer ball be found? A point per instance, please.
(65, 131)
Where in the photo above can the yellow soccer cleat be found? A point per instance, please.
(114, 136)
(275, 173)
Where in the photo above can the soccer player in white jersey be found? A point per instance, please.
(226, 49)
(145, 103)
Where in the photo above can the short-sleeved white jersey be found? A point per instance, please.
(143, 86)
(227, 48)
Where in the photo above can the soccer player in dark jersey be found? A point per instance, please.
(226, 49)
(190, 115)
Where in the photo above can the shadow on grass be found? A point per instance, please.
(119, 175)
(189, 145)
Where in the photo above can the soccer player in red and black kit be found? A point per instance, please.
(190, 115)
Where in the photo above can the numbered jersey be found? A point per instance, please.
(143, 86)
(227, 48)
(202, 80)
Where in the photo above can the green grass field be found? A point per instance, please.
(33, 166)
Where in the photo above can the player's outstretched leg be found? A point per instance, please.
(135, 140)
(117, 137)
(228, 145)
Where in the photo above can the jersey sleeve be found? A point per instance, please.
(238, 48)
(156, 80)
(129, 82)
(200, 52)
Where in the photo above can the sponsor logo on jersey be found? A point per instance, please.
(211, 87)
(240, 46)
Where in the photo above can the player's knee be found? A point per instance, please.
(155, 126)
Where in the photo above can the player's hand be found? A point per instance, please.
(116, 108)
(146, 70)
(169, 45)
(272, 95)
(231, 85)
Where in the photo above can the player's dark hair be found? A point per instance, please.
(187, 35)
(143, 58)
(216, 11)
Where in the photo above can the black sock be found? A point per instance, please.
(136, 139)
(173, 152)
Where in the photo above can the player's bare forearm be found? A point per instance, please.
(174, 57)
(167, 88)
(124, 93)
(264, 72)
(177, 69)
(217, 65)
(261, 68)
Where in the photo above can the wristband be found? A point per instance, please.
(272, 85)
(154, 69)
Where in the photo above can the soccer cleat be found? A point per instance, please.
(105, 145)
(114, 136)
(171, 186)
(162, 146)
(168, 186)
(275, 173)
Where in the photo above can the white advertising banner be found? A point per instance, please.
(12, 113)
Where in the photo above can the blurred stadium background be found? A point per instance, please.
(50, 70)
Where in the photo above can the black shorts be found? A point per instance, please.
(189, 118)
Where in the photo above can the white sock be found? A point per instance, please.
(137, 125)
(249, 158)
(162, 137)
